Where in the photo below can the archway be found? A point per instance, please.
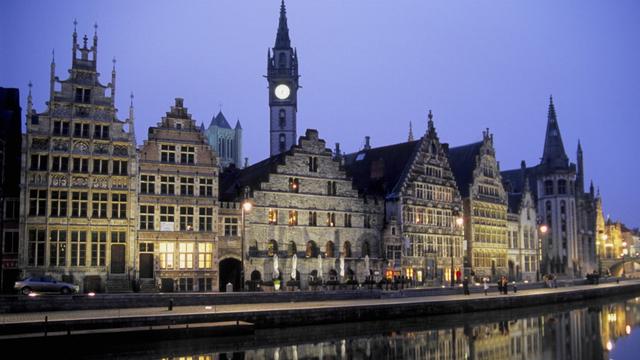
(512, 274)
(229, 272)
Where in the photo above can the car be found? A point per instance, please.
(44, 284)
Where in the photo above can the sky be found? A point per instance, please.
(368, 68)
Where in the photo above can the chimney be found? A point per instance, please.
(367, 145)
(246, 162)
(336, 152)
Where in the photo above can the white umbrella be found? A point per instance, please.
(320, 266)
(342, 266)
(294, 265)
(276, 272)
(367, 271)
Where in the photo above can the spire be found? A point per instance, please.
(238, 126)
(591, 188)
(580, 171)
(282, 38)
(29, 99)
(74, 45)
(430, 126)
(410, 131)
(553, 154)
(95, 34)
(113, 82)
(52, 76)
(132, 129)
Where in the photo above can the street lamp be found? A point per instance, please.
(459, 223)
(246, 207)
(543, 230)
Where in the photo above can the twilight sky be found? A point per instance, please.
(368, 68)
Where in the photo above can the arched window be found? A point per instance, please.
(272, 248)
(329, 252)
(548, 187)
(312, 249)
(562, 186)
(256, 276)
(291, 249)
(350, 274)
(282, 118)
(366, 251)
(346, 251)
(333, 275)
(282, 143)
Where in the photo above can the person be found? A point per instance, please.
(515, 287)
(499, 286)
(486, 285)
(555, 282)
(465, 286)
(505, 285)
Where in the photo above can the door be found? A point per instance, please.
(117, 259)
(146, 266)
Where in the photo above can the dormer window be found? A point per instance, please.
(178, 126)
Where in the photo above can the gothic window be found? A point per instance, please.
(282, 143)
(313, 164)
(311, 250)
(332, 188)
(120, 167)
(101, 131)
(282, 60)
(548, 187)
(313, 218)
(347, 220)
(291, 249)
(331, 219)
(60, 164)
(100, 166)
(293, 217)
(562, 186)
(81, 130)
(272, 248)
(282, 118)
(81, 165)
(367, 221)
(294, 185)
(346, 249)
(329, 249)
(273, 216)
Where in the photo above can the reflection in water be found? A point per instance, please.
(579, 331)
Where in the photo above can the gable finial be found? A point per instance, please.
(410, 131)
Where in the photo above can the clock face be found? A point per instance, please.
(282, 91)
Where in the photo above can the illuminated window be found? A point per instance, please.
(273, 216)
(98, 248)
(165, 253)
(331, 219)
(58, 248)
(293, 217)
(186, 255)
(294, 185)
(205, 255)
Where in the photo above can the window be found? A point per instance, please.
(329, 249)
(10, 243)
(167, 213)
(81, 130)
(101, 131)
(100, 166)
(366, 250)
(168, 153)
(83, 95)
(292, 249)
(294, 185)
(167, 185)
(187, 154)
(39, 162)
(147, 184)
(119, 206)
(272, 248)
(58, 203)
(347, 220)
(311, 250)
(98, 248)
(548, 187)
(206, 187)
(282, 143)
(120, 167)
(118, 237)
(562, 186)
(313, 218)
(81, 165)
(38, 202)
(78, 248)
(230, 226)
(60, 164)
(367, 221)
(313, 164)
(282, 118)
(420, 191)
(293, 217)
(36, 247)
(433, 171)
(165, 253)
(205, 255)
(60, 127)
(12, 208)
(79, 200)
(346, 250)
(205, 221)
(58, 248)
(273, 216)
(331, 219)
(186, 255)
(146, 217)
(186, 186)
(99, 205)
(332, 188)
(186, 218)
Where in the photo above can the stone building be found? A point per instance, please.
(485, 206)
(178, 205)
(10, 142)
(569, 246)
(422, 240)
(522, 233)
(305, 213)
(79, 197)
(225, 140)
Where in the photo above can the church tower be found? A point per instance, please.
(282, 75)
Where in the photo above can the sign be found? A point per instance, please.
(166, 226)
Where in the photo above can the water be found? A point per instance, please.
(600, 329)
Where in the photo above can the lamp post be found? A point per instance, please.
(459, 223)
(543, 230)
(246, 207)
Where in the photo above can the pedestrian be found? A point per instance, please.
(465, 286)
(505, 286)
(555, 282)
(485, 282)
(499, 286)
(515, 287)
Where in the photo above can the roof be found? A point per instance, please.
(553, 154)
(462, 160)
(514, 202)
(220, 121)
(512, 180)
(381, 170)
(233, 180)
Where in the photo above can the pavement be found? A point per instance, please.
(30, 317)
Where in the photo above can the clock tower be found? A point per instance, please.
(282, 75)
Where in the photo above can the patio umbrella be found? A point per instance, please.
(342, 267)
(320, 266)
(294, 265)
(276, 272)
(367, 271)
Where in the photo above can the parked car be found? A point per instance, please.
(44, 284)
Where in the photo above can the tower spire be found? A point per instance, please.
(132, 129)
(430, 126)
(410, 131)
(52, 75)
(553, 154)
(29, 99)
(113, 82)
(282, 38)
(74, 45)
(580, 170)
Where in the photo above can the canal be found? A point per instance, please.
(599, 329)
